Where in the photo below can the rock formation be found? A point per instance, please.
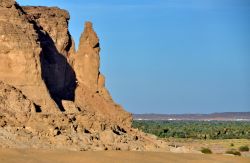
(87, 59)
(87, 62)
(52, 96)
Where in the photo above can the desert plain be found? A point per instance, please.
(61, 156)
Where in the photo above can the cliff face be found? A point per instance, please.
(69, 75)
(56, 95)
(55, 22)
(56, 44)
(20, 51)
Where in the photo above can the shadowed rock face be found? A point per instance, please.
(55, 41)
(52, 96)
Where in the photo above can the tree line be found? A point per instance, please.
(196, 129)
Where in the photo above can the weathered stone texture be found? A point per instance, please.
(20, 55)
(15, 108)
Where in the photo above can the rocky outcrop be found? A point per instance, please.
(15, 108)
(21, 126)
(55, 22)
(87, 60)
(91, 92)
(52, 96)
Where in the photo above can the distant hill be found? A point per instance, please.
(226, 116)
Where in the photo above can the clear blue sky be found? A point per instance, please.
(170, 56)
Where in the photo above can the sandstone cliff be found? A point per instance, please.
(52, 96)
(20, 54)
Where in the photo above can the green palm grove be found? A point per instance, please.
(196, 129)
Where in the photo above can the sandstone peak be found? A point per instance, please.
(88, 38)
(87, 59)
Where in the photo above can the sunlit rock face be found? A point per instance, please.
(20, 51)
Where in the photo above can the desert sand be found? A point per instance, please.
(42, 156)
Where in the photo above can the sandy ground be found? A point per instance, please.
(42, 156)
(216, 146)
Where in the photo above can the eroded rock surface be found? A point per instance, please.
(15, 108)
(20, 51)
(56, 44)
(51, 96)
(87, 59)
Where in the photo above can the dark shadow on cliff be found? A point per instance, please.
(57, 73)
